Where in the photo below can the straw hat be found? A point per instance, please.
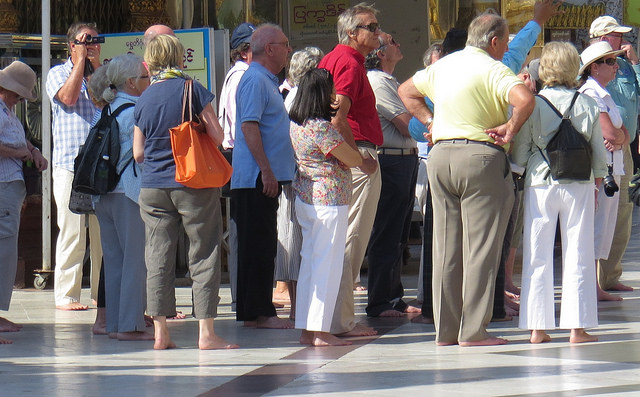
(604, 25)
(19, 78)
(594, 52)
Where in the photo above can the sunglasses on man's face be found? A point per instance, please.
(372, 27)
(608, 61)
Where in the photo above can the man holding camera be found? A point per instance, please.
(73, 112)
(624, 90)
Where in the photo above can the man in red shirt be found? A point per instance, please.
(358, 32)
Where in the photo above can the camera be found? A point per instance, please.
(90, 40)
(609, 182)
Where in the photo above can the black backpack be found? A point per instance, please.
(569, 152)
(94, 169)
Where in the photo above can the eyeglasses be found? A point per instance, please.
(608, 61)
(372, 27)
(284, 43)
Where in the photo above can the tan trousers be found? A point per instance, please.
(362, 213)
(71, 243)
(472, 192)
(609, 270)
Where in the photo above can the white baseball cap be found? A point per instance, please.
(604, 25)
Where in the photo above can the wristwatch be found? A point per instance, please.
(429, 121)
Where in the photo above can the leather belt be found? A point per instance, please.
(397, 151)
(366, 144)
(469, 141)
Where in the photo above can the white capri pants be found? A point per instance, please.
(605, 221)
(573, 204)
(324, 235)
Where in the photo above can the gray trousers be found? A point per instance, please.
(11, 197)
(122, 235)
(162, 211)
(472, 194)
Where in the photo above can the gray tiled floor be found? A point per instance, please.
(56, 355)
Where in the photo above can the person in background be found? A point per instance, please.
(546, 200)
(17, 83)
(165, 203)
(119, 82)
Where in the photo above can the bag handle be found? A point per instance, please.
(187, 96)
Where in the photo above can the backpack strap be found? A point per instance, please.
(120, 108)
(551, 105)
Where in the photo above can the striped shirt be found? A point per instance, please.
(70, 124)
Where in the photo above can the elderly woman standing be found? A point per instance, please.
(16, 84)
(165, 203)
(121, 82)
(599, 68)
(547, 199)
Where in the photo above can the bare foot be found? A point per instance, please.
(422, 320)
(512, 289)
(605, 296)
(306, 337)
(148, 321)
(214, 342)
(179, 316)
(9, 326)
(161, 334)
(491, 341)
(579, 335)
(412, 310)
(391, 313)
(512, 301)
(621, 287)
(359, 330)
(359, 287)
(4, 341)
(72, 306)
(273, 322)
(539, 336)
(326, 339)
(251, 324)
(134, 335)
(277, 305)
(446, 343)
(100, 325)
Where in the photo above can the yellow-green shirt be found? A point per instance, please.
(470, 91)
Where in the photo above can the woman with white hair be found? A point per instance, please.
(118, 83)
(16, 84)
(548, 201)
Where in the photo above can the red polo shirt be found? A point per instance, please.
(350, 79)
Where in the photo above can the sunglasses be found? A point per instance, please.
(372, 27)
(608, 61)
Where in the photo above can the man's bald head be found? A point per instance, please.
(156, 30)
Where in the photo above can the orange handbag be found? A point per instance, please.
(199, 163)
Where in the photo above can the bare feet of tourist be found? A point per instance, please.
(359, 287)
(446, 343)
(277, 305)
(539, 336)
(579, 335)
(422, 320)
(359, 330)
(605, 296)
(621, 287)
(73, 306)
(250, 324)
(208, 340)
(326, 339)
(510, 312)
(4, 341)
(391, 313)
(491, 341)
(134, 335)
(100, 325)
(306, 337)
(512, 289)
(273, 322)
(9, 326)
(148, 321)
(179, 316)
(281, 292)
(113, 335)
(511, 302)
(412, 310)
(161, 334)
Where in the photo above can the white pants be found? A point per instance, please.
(573, 204)
(324, 233)
(420, 204)
(71, 244)
(605, 221)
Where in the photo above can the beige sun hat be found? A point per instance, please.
(604, 25)
(19, 78)
(594, 52)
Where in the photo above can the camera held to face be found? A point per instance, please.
(609, 183)
(90, 40)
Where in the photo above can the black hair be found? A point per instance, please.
(313, 99)
(454, 40)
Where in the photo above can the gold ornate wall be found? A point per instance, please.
(9, 22)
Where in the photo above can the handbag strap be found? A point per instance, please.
(187, 97)
(562, 116)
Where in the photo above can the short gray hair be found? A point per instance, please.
(484, 28)
(114, 74)
(262, 36)
(348, 21)
(302, 61)
(428, 54)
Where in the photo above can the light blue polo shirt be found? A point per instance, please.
(259, 100)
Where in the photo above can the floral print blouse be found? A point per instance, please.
(321, 179)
